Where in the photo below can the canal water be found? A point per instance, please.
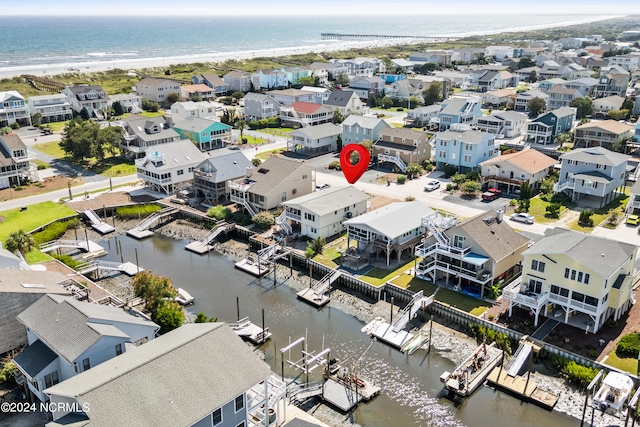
(410, 384)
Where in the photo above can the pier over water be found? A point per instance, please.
(341, 36)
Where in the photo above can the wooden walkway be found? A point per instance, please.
(499, 378)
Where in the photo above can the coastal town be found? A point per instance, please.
(493, 224)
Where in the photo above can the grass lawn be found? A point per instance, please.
(40, 163)
(264, 155)
(629, 364)
(379, 276)
(538, 208)
(35, 216)
(464, 302)
(276, 131)
(35, 257)
(110, 166)
(57, 126)
(252, 140)
(328, 257)
(601, 215)
(51, 149)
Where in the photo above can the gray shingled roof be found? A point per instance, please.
(63, 323)
(395, 145)
(394, 219)
(35, 358)
(329, 200)
(468, 136)
(603, 256)
(364, 122)
(277, 170)
(319, 131)
(196, 124)
(596, 155)
(177, 378)
(497, 239)
(339, 98)
(452, 106)
(13, 142)
(176, 154)
(137, 125)
(227, 166)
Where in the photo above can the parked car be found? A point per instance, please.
(491, 194)
(633, 219)
(322, 187)
(523, 217)
(431, 185)
(47, 131)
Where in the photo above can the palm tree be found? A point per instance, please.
(21, 242)
(310, 253)
(241, 125)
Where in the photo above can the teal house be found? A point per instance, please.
(207, 134)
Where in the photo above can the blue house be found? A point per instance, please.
(464, 148)
(207, 134)
(465, 111)
(546, 85)
(356, 129)
(214, 81)
(545, 128)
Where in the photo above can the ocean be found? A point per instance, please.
(32, 43)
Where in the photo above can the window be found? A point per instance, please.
(217, 417)
(443, 143)
(537, 265)
(442, 154)
(51, 379)
(458, 241)
(467, 158)
(180, 172)
(313, 230)
(86, 365)
(239, 402)
(535, 286)
(118, 349)
(242, 424)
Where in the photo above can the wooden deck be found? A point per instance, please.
(309, 296)
(500, 379)
(340, 396)
(249, 265)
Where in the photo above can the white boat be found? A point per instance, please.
(613, 393)
(184, 297)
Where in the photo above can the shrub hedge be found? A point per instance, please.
(54, 230)
(137, 211)
(628, 346)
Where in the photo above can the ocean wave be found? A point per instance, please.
(111, 54)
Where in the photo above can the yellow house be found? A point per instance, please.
(575, 278)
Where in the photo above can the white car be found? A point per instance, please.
(432, 184)
(523, 217)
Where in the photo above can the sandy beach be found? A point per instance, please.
(134, 63)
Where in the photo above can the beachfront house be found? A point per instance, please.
(509, 171)
(201, 109)
(322, 213)
(165, 382)
(237, 81)
(18, 290)
(361, 67)
(207, 134)
(141, 132)
(315, 140)
(593, 173)
(545, 128)
(52, 108)
(197, 92)
(90, 97)
(258, 106)
(464, 148)
(67, 337)
(15, 168)
(157, 90)
(130, 102)
(392, 231)
(356, 129)
(218, 86)
(347, 102)
(274, 181)
(211, 177)
(575, 278)
(401, 147)
(455, 110)
(169, 167)
(322, 71)
(503, 124)
(523, 99)
(287, 97)
(13, 109)
(471, 255)
(269, 78)
(609, 134)
(304, 114)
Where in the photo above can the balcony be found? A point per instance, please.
(573, 304)
(15, 172)
(567, 185)
(517, 293)
(293, 217)
(480, 276)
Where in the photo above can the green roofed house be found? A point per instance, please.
(195, 376)
(207, 134)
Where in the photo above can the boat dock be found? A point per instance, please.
(521, 387)
(184, 297)
(316, 295)
(204, 245)
(246, 329)
(142, 231)
(473, 372)
(128, 268)
(92, 249)
(261, 265)
(97, 223)
(340, 395)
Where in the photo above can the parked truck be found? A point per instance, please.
(491, 194)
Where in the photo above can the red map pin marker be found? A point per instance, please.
(354, 172)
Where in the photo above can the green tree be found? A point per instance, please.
(307, 81)
(342, 79)
(20, 241)
(533, 77)
(618, 114)
(263, 220)
(470, 188)
(318, 244)
(385, 102)
(169, 316)
(173, 98)
(256, 161)
(154, 290)
(117, 108)
(536, 106)
(202, 318)
(150, 106)
(36, 119)
(458, 179)
(195, 97)
(107, 141)
(78, 137)
(547, 186)
(413, 169)
(584, 107)
(585, 218)
(228, 116)
(526, 62)
(337, 117)
(553, 210)
(237, 94)
(84, 114)
(524, 201)
(241, 125)
(433, 93)
(628, 104)
(564, 138)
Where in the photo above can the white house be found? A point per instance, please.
(91, 97)
(14, 161)
(157, 90)
(13, 108)
(52, 108)
(67, 337)
(130, 102)
(322, 213)
(169, 165)
(200, 109)
(504, 124)
(315, 140)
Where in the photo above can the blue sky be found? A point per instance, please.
(323, 7)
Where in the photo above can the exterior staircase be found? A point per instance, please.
(393, 159)
(281, 220)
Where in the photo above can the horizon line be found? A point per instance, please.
(91, 15)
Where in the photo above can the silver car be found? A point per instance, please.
(431, 185)
(523, 217)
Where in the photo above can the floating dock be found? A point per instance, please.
(205, 245)
(250, 265)
(500, 379)
(340, 396)
(97, 223)
(142, 231)
(246, 329)
(128, 268)
(184, 297)
(473, 372)
(384, 331)
(311, 297)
